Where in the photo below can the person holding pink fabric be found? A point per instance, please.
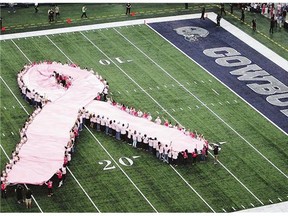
(50, 187)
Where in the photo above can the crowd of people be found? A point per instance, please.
(112, 127)
(124, 132)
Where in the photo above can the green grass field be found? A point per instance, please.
(243, 178)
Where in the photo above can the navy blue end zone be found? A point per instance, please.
(275, 107)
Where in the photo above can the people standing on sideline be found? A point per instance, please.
(11, 8)
(222, 10)
(254, 24)
(231, 8)
(128, 8)
(57, 11)
(242, 15)
(272, 24)
(84, 9)
(51, 15)
(28, 199)
(218, 18)
(216, 151)
(36, 7)
(203, 13)
(19, 193)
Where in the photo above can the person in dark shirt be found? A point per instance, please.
(218, 18)
(254, 24)
(272, 24)
(222, 9)
(128, 8)
(28, 196)
(19, 193)
(203, 13)
(216, 152)
(242, 14)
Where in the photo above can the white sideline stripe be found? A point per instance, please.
(193, 189)
(28, 114)
(129, 78)
(24, 184)
(101, 144)
(95, 26)
(121, 169)
(83, 190)
(215, 114)
(162, 107)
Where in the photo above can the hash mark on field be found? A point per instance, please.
(135, 157)
(12, 133)
(233, 208)
(252, 204)
(157, 87)
(119, 92)
(202, 81)
(150, 88)
(135, 90)
(173, 85)
(111, 93)
(235, 101)
(197, 106)
(189, 107)
(4, 107)
(3, 134)
(212, 104)
(223, 209)
(243, 206)
(188, 83)
(270, 201)
(173, 110)
(279, 199)
(157, 112)
(181, 108)
(195, 82)
(127, 91)
(228, 102)
(165, 86)
(220, 103)
(215, 92)
(13, 107)
(210, 80)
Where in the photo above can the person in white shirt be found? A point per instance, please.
(123, 132)
(150, 143)
(102, 124)
(139, 141)
(107, 126)
(145, 142)
(158, 120)
(129, 136)
(155, 144)
(134, 139)
(118, 131)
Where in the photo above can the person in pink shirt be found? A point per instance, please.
(50, 187)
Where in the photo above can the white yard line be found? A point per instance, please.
(193, 189)
(122, 170)
(198, 99)
(103, 146)
(28, 114)
(24, 184)
(158, 105)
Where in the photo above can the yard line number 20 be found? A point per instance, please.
(125, 161)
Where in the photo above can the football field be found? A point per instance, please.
(146, 71)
